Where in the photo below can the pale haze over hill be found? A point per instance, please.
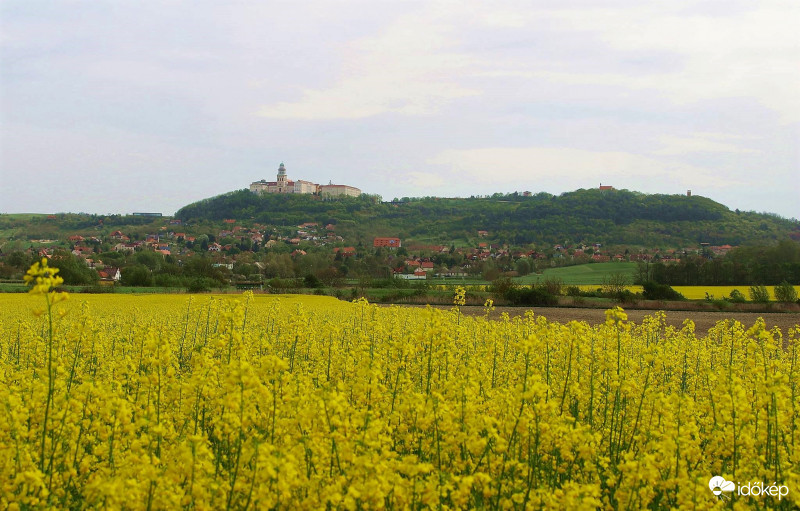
(113, 107)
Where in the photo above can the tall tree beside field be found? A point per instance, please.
(759, 294)
(73, 270)
(136, 275)
(785, 292)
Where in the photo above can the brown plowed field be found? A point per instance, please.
(703, 320)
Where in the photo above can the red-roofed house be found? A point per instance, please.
(386, 242)
(345, 251)
(109, 274)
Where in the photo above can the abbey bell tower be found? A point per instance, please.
(281, 179)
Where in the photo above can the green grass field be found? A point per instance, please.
(583, 274)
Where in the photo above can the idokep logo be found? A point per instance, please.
(718, 484)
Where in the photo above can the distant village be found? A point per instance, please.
(245, 252)
(414, 261)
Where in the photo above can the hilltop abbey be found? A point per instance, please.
(284, 185)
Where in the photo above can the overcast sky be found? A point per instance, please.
(117, 106)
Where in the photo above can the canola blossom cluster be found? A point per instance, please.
(262, 402)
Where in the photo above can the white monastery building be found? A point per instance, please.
(284, 185)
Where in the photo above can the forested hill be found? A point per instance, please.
(610, 217)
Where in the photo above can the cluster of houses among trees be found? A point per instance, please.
(282, 231)
(258, 252)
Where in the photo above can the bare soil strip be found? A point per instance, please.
(703, 320)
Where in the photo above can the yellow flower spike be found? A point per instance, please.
(488, 306)
(42, 278)
(459, 297)
(615, 316)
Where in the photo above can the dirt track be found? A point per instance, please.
(703, 320)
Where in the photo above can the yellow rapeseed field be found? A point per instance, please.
(262, 402)
(699, 292)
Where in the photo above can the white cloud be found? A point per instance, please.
(530, 166)
(701, 143)
(410, 68)
(445, 51)
(749, 53)
(418, 179)
(542, 95)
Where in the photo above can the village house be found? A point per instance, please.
(124, 247)
(386, 242)
(345, 251)
(452, 273)
(109, 275)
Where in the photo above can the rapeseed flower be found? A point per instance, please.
(307, 402)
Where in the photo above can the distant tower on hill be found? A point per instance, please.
(285, 185)
(281, 178)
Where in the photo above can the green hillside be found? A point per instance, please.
(608, 217)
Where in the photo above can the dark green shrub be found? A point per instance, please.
(721, 304)
(167, 280)
(785, 292)
(759, 294)
(201, 285)
(625, 296)
(530, 296)
(311, 281)
(655, 291)
(136, 275)
(737, 296)
(553, 285)
(501, 286)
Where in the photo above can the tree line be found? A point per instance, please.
(767, 265)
